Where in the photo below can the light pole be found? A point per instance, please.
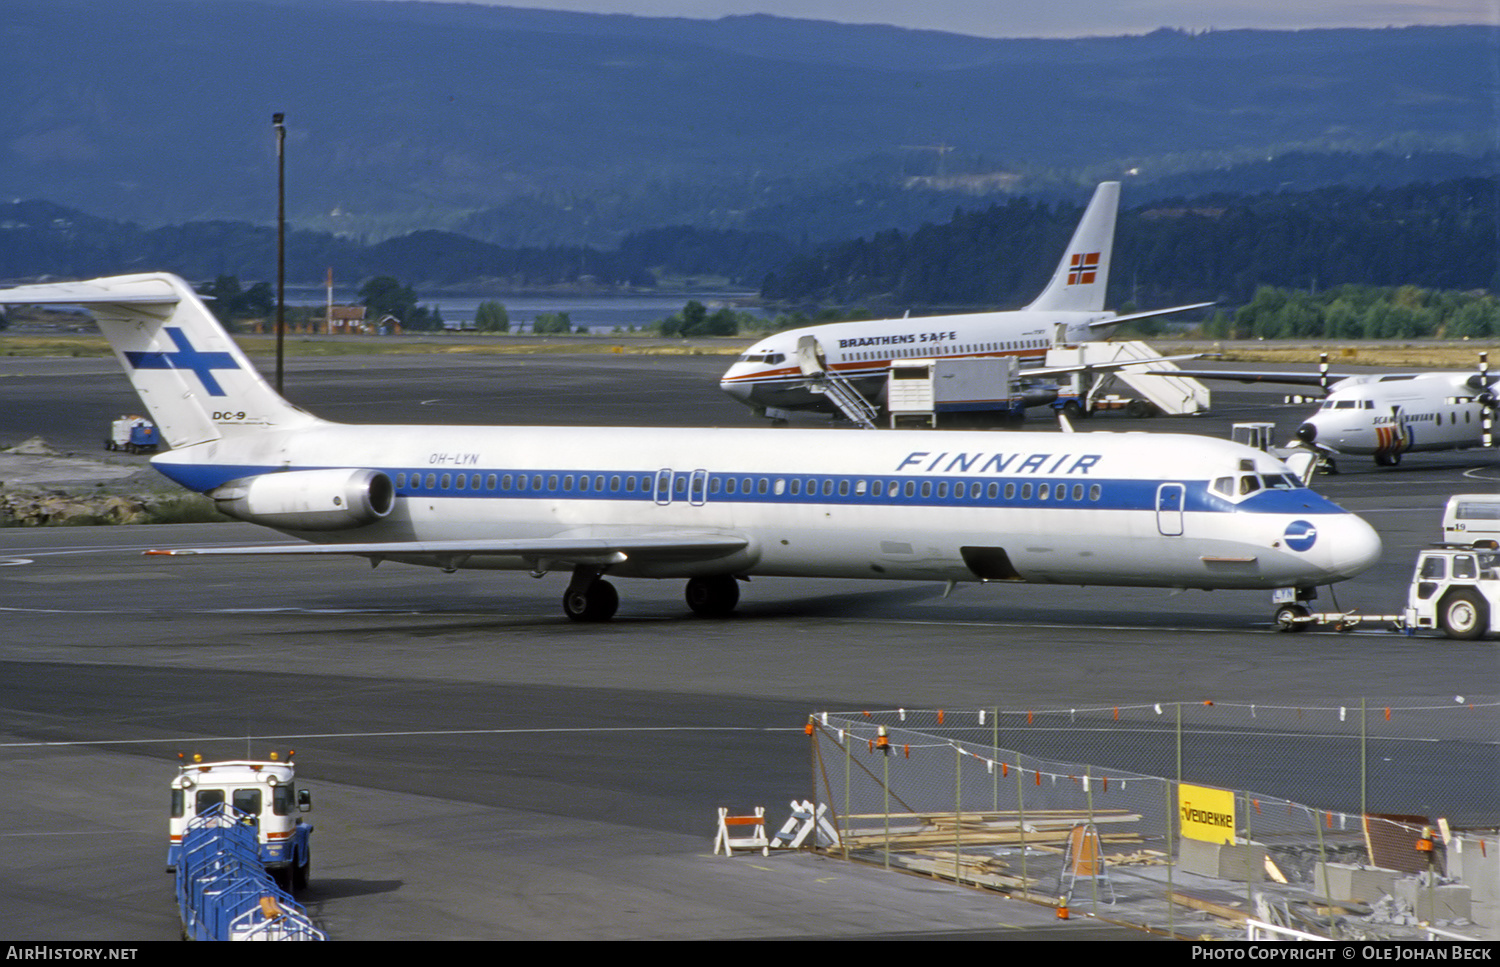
(278, 120)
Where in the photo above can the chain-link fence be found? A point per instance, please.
(1104, 808)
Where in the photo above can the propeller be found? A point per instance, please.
(1481, 384)
(1322, 384)
(1484, 395)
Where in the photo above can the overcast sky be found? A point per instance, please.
(1049, 18)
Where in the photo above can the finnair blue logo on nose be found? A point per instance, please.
(1300, 535)
(186, 357)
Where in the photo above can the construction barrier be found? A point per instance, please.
(756, 840)
(223, 889)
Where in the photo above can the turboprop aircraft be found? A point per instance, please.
(792, 370)
(1384, 416)
(712, 506)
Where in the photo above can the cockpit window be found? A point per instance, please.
(1249, 484)
(1279, 481)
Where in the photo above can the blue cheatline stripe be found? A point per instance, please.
(929, 490)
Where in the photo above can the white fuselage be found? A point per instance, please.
(1386, 416)
(768, 375)
(1084, 508)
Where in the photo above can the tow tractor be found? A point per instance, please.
(133, 434)
(1455, 589)
(266, 792)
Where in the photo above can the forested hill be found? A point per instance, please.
(407, 116)
(1218, 247)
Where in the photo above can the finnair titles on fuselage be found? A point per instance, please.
(713, 506)
(772, 376)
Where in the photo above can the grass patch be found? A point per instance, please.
(54, 346)
(184, 509)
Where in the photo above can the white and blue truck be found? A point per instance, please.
(262, 792)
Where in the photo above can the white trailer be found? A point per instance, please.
(931, 392)
(1472, 518)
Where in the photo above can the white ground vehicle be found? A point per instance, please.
(1472, 518)
(267, 792)
(1454, 589)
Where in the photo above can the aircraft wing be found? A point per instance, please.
(1149, 314)
(545, 552)
(1117, 364)
(1252, 376)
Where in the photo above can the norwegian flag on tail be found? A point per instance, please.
(1082, 268)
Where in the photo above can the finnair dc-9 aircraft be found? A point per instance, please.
(711, 506)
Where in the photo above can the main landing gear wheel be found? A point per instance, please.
(1287, 615)
(597, 601)
(1463, 615)
(713, 597)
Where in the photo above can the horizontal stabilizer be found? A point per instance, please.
(117, 291)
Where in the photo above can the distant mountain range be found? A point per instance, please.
(527, 127)
(1221, 247)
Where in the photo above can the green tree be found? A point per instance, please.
(695, 320)
(259, 300)
(552, 322)
(491, 316)
(385, 296)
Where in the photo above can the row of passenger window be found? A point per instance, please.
(520, 483)
(961, 349)
(729, 485)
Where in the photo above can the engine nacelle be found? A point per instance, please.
(1038, 395)
(309, 500)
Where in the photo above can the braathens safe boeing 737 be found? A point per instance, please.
(773, 376)
(712, 506)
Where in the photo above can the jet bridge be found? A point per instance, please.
(1173, 395)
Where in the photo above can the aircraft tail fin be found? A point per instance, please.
(190, 375)
(1083, 274)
